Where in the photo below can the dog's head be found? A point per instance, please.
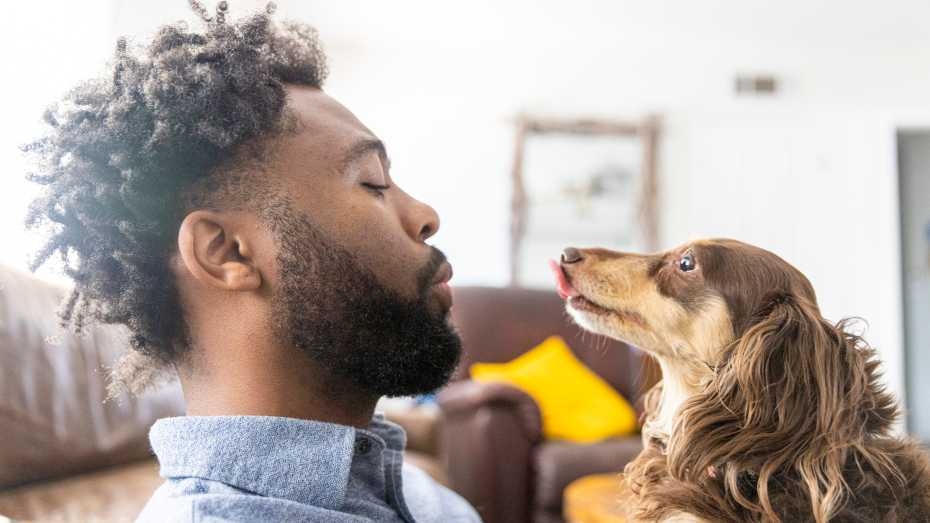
(782, 392)
(688, 303)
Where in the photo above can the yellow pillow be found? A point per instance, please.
(576, 404)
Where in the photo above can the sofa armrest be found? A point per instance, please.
(464, 398)
(488, 435)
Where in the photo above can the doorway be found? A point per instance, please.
(914, 197)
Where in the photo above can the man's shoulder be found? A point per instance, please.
(200, 500)
(430, 501)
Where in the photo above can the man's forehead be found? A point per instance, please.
(317, 111)
(324, 128)
(325, 136)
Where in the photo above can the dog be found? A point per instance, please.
(765, 411)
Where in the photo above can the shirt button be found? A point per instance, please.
(362, 445)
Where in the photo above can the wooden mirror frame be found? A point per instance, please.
(647, 130)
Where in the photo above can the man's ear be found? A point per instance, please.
(215, 251)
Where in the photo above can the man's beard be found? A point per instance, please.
(362, 333)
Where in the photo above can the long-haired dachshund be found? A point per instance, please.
(766, 411)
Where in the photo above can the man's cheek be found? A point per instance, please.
(392, 267)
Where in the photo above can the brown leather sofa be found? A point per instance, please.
(490, 433)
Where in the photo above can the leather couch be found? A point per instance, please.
(491, 439)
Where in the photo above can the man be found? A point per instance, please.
(245, 227)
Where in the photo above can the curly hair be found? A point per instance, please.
(128, 153)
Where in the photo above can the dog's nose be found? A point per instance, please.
(571, 255)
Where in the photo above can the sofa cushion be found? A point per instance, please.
(113, 494)
(53, 386)
(558, 463)
(576, 404)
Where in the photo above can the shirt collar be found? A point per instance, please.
(299, 460)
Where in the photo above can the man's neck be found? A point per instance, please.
(265, 389)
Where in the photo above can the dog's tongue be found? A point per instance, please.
(565, 289)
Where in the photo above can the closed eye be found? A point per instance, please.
(378, 190)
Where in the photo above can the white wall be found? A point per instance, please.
(45, 47)
(809, 173)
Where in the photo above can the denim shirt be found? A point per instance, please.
(258, 468)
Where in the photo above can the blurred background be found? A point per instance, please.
(799, 126)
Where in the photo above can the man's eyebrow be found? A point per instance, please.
(364, 147)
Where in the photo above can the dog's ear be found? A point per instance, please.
(794, 397)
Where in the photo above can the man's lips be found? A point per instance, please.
(443, 275)
(441, 285)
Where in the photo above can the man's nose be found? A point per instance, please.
(571, 255)
(422, 221)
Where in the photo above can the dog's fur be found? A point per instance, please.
(766, 411)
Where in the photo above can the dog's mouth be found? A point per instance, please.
(584, 304)
(578, 301)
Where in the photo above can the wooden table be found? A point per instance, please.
(594, 499)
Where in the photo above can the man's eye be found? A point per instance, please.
(375, 188)
(686, 263)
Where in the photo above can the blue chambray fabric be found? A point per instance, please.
(261, 468)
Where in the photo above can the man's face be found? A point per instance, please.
(333, 170)
(354, 285)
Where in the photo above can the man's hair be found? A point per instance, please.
(128, 153)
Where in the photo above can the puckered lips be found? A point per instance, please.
(441, 285)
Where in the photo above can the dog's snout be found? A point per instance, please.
(571, 255)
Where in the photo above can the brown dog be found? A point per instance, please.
(766, 411)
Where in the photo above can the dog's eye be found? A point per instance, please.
(686, 263)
